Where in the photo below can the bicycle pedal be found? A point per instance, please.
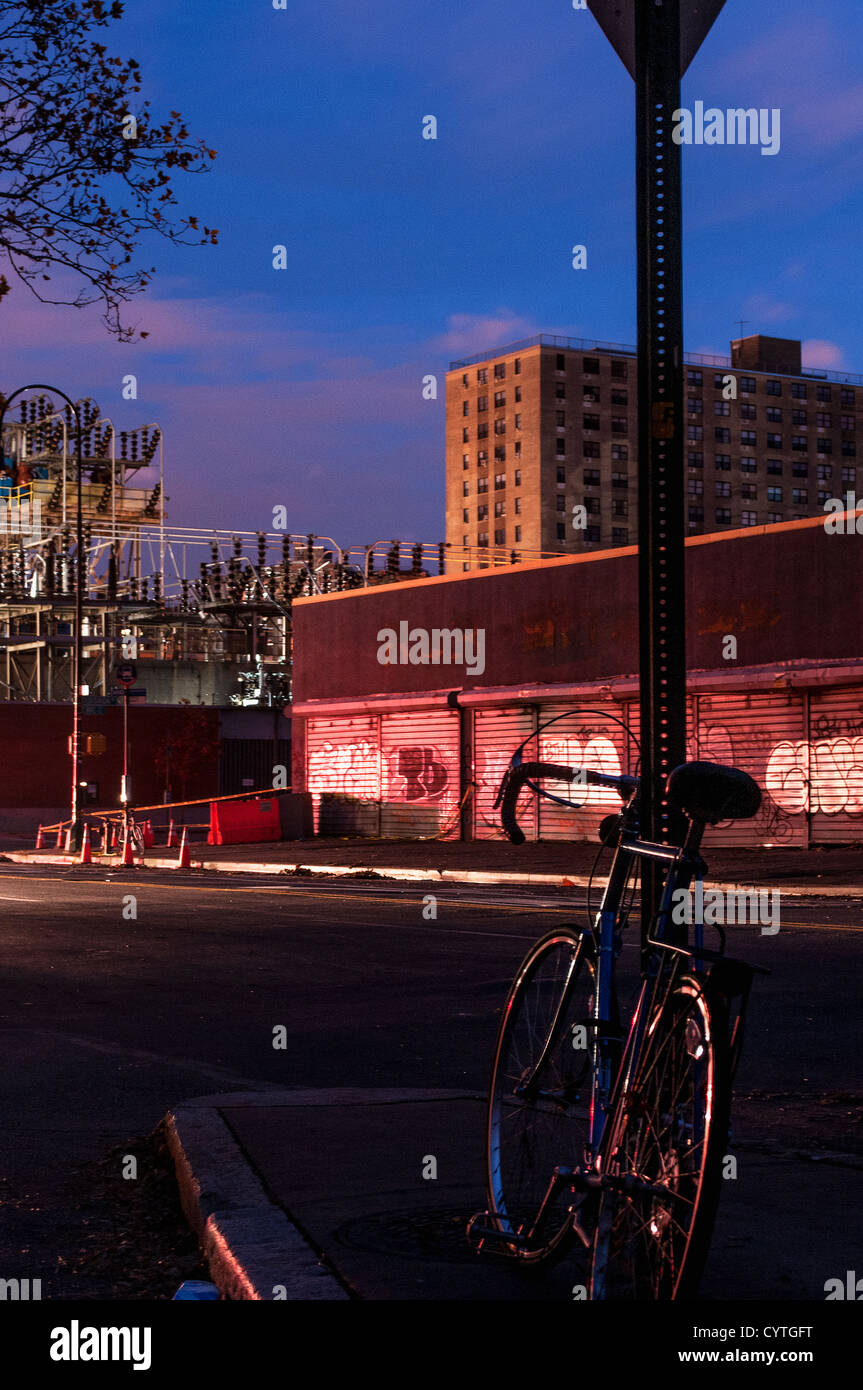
(491, 1240)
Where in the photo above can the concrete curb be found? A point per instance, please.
(411, 875)
(251, 1247)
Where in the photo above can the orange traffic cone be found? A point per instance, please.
(67, 847)
(39, 844)
(147, 832)
(185, 859)
(59, 837)
(114, 841)
(86, 855)
(171, 842)
(128, 858)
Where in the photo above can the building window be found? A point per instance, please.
(695, 487)
(591, 394)
(619, 506)
(561, 530)
(747, 385)
(590, 366)
(721, 407)
(823, 393)
(590, 422)
(518, 448)
(561, 475)
(592, 533)
(722, 489)
(465, 516)
(798, 390)
(748, 518)
(825, 472)
(749, 491)
(619, 424)
(465, 380)
(518, 533)
(695, 432)
(517, 394)
(846, 395)
(718, 381)
(560, 418)
(500, 537)
(518, 477)
(560, 391)
(824, 419)
(800, 469)
(560, 362)
(847, 422)
(695, 460)
(774, 388)
(620, 453)
(696, 515)
(592, 505)
(481, 403)
(482, 485)
(773, 518)
(722, 435)
(560, 450)
(516, 366)
(465, 436)
(482, 458)
(517, 506)
(619, 535)
(499, 481)
(500, 508)
(695, 405)
(748, 411)
(723, 516)
(800, 417)
(722, 463)
(849, 475)
(500, 426)
(500, 453)
(800, 495)
(799, 443)
(590, 450)
(693, 376)
(518, 422)
(499, 399)
(774, 441)
(465, 407)
(775, 466)
(823, 497)
(619, 371)
(591, 477)
(465, 489)
(499, 371)
(774, 494)
(748, 464)
(482, 376)
(465, 460)
(560, 503)
(824, 446)
(774, 414)
(619, 396)
(749, 439)
(482, 512)
(849, 449)
(620, 480)
(482, 430)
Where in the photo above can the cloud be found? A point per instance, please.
(820, 352)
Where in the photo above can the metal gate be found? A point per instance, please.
(343, 774)
(420, 772)
(835, 760)
(496, 735)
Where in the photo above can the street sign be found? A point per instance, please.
(126, 673)
(616, 19)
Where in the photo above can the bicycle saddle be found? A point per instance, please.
(710, 792)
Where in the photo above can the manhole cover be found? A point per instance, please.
(431, 1234)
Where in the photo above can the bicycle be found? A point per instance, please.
(609, 1137)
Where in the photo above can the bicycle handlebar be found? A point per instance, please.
(515, 778)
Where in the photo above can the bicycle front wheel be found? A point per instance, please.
(540, 1094)
(666, 1145)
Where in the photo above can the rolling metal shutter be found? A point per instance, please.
(835, 764)
(343, 766)
(421, 786)
(750, 732)
(589, 735)
(496, 735)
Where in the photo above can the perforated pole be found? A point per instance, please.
(661, 594)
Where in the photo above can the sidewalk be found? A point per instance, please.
(828, 871)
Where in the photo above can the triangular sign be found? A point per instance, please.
(616, 19)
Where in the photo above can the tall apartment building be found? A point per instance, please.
(542, 428)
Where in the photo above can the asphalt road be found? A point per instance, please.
(109, 1018)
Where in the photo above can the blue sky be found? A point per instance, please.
(302, 387)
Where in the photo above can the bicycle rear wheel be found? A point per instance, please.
(540, 1094)
(666, 1145)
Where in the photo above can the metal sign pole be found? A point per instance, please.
(661, 591)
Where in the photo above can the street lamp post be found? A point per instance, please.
(657, 40)
(80, 571)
